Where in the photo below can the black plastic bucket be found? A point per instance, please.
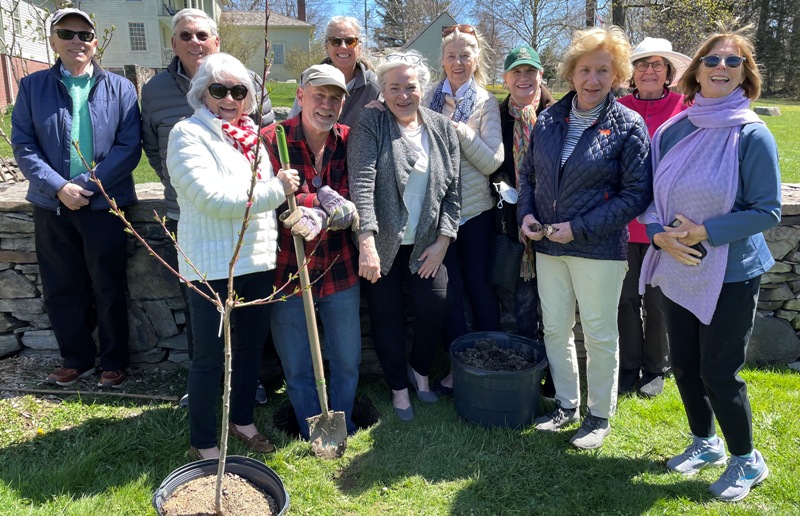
(507, 399)
(258, 473)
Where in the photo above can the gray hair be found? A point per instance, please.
(193, 14)
(483, 53)
(410, 59)
(344, 20)
(220, 67)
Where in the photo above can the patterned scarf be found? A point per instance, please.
(524, 118)
(463, 106)
(243, 136)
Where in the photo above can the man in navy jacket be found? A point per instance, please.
(81, 247)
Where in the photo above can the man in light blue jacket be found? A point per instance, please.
(81, 247)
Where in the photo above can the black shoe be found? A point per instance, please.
(441, 391)
(627, 381)
(651, 385)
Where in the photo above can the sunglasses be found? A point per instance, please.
(642, 66)
(411, 59)
(220, 91)
(84, 35)
(187, 36)
(349, 42)
(730, 61)
(467, 29)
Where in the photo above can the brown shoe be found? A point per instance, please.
(66, 376)
(111, 379)
(257, 443)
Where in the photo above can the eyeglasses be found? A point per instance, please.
(642, 66)
(467, 29)
(730, 61)
(84, 35)
(187, 36)
(220, 91)
(350, 41)
(411, 59)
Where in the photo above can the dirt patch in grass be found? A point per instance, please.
(239, 497)
(487, 355)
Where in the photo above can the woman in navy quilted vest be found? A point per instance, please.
(717, 179)
(586, 175)
(475, 114)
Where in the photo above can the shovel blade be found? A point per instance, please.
(328, 435)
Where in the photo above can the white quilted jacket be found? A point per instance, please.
(481, 141)
(211, 179)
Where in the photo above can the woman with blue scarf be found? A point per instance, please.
(716, 187)
(475, 114)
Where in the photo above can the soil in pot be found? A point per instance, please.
(239, 498)
(487, 355)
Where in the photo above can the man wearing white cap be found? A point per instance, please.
(318, 150)
(81, 247)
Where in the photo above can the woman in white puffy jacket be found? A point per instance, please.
(476, 116)
(210, 157)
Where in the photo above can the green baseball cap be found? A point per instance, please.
(522, 55)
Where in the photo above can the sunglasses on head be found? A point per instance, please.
(349, 42)
(84, 35)
(411, 59)
(220, 91)
(730, 61)
(187, 36)
(467, 29)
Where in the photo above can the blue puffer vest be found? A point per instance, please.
(605, 183)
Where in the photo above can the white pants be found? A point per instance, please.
(596, 285)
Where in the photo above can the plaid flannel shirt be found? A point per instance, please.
(336, 249)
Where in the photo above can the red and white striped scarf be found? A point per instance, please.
(243, 136)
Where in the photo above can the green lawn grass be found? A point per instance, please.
(92, 456)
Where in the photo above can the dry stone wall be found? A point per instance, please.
(156, 315)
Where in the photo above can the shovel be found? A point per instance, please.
(327, 431)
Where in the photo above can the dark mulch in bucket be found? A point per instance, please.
(364, 415)
(487, 355)
(239, 497)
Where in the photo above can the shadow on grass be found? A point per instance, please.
(502, 471)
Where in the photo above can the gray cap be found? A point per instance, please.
(63, 13)
(324, 75)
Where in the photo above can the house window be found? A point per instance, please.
(137, 35)
(278, 57)
(17, 21)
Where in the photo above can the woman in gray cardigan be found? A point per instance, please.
(403, 164)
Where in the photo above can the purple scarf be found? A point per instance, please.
(698, 178)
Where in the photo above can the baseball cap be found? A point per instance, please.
(522, 55)
(324, 75)
(63, 13)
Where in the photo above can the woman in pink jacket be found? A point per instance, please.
(643, 346)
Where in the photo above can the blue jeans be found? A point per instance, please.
(249, 330)
(342, 327)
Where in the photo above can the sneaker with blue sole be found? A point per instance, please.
(739, 477)
(698, 455)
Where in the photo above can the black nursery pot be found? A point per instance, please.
(508, 399)
(256, 472)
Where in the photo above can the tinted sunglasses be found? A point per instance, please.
(220, 91)
(349, 42)
(467, 29)
(187, 36)
(84, 35)
(730, 61)
(642, 66)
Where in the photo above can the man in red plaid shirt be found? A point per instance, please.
(317, 149)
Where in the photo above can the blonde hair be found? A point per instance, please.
(612, 40)
(483, 54)
(739, 37)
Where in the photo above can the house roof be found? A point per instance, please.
(438, 19)
(257, 18)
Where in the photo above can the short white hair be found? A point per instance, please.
(193, 14)
(398, 59)
(344, 20)
(219, 67)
